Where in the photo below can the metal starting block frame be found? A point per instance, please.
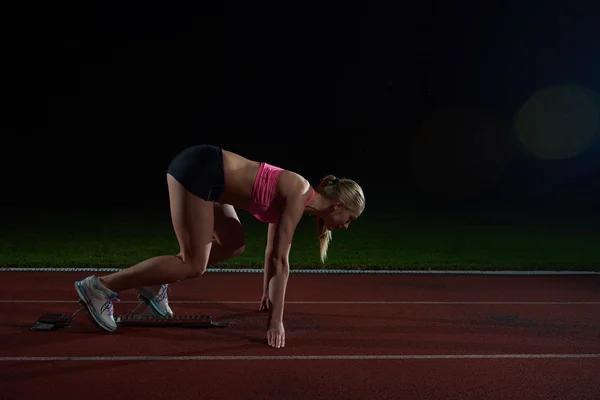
(53, 322)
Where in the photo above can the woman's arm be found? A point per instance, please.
(264, 301)
(277, 267)
(266, 277)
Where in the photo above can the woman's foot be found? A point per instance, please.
(98, 300)
(156, 299)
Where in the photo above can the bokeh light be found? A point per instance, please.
(559, 122)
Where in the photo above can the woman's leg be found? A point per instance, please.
(229, 238)
(193, 221)
(228, 242)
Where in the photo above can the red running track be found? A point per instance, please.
(347, 337)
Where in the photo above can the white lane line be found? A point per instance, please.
(321, 271)
(521, 303)
(306, 357)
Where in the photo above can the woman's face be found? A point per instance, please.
(339, 217)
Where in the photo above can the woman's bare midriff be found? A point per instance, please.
(240, 174)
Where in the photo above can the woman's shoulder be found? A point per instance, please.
(293, 185)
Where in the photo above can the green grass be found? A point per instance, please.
(375, 241)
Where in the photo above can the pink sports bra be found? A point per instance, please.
(264, 190)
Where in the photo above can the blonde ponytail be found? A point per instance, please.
(324, 236)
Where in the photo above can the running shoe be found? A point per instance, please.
(99, 301)
(156, 299)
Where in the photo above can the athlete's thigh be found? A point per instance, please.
(193, 221)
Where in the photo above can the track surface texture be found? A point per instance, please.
(347, 337)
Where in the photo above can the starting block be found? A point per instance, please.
(53, 322)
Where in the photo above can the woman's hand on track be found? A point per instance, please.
(276, 335)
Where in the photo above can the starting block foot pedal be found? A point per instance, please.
(52, 322)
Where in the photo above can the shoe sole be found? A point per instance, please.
(90, 309)
(150, 304)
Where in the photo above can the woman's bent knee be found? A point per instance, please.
(238, 250)
(194, 266)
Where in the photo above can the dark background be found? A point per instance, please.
(99, 98)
